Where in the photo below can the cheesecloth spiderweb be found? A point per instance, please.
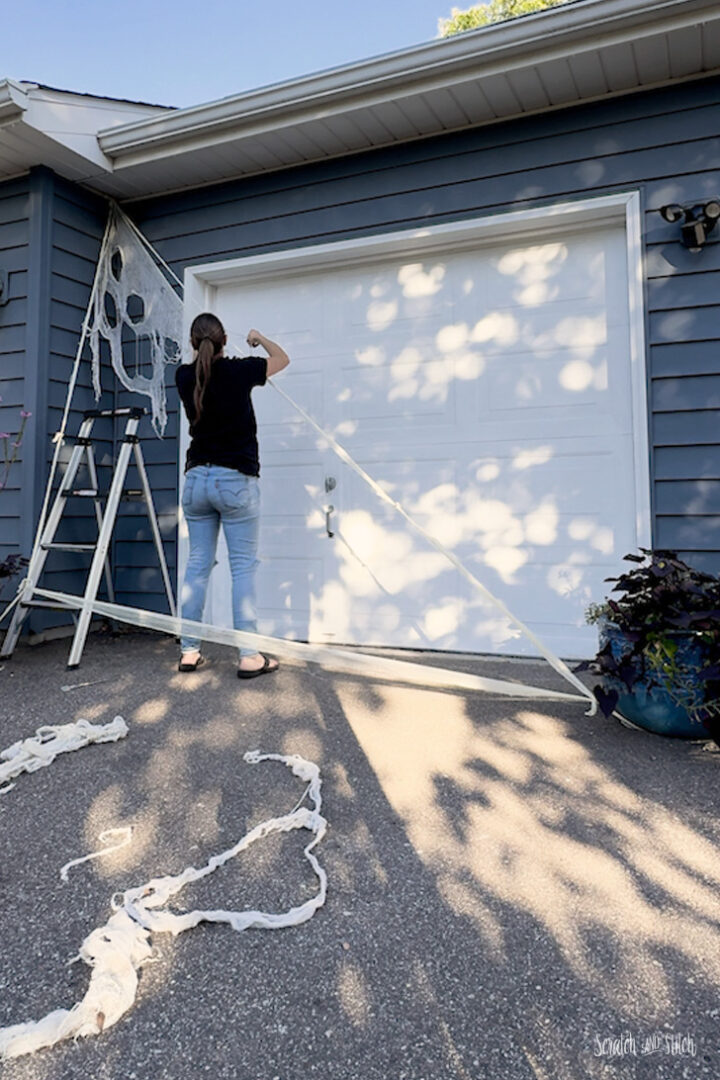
(133, 297)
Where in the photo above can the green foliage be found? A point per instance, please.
(492, 12)
(666, 633)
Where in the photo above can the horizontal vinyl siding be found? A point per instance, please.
(14, 254)
(663, 143)
(78, 223)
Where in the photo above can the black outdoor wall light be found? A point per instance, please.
(698, 221)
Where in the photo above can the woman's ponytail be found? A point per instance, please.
(207, 336)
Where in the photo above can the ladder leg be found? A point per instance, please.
(40, 554)
(150, 507)
(96, 569)
(13, 631)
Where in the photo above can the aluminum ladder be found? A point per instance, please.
(83, 451)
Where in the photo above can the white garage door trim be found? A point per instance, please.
(202, 283)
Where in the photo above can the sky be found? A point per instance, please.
(191, 51)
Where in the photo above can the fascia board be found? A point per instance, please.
(13, 101)
(502, 47)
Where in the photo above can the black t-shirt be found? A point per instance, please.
(226, 433)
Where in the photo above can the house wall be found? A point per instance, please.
(14, 258)
(76, 223)
(663, 143)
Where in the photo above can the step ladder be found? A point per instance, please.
(83, 452)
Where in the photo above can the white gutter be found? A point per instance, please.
(13, 101)
(563, 31)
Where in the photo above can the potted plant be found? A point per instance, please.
(659, 647)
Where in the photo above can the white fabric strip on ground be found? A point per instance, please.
(43, 747)
(105, 837)
(329, 657)
(117, 950)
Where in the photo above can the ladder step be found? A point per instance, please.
(83, 493)
(68, 547)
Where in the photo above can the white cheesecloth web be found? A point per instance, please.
(133, 297)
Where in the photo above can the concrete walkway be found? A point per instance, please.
(516, 891)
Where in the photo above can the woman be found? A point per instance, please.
(221, 478)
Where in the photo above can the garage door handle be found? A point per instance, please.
(328, 511)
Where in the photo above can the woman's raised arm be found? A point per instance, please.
(277, 357)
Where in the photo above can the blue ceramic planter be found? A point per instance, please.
(652, 708)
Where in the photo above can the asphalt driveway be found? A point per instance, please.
(516, 890)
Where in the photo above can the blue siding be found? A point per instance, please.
(663, 143)
(73, 245)
(14, 258)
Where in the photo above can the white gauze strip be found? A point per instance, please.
(41, 749)
(553, 660)
(116, 950)
(105, 837)
(329, 657)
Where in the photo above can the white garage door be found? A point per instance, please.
(489, 391)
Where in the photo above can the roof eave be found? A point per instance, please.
(13, 101)
(498, 47)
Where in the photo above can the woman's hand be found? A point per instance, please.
(277, 357)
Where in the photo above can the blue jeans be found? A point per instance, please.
(211, 495)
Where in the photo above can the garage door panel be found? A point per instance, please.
(545, 380)
(489, 391)
(280, 425)
(302, 318)
(527, 475)
(531, 275)
(550, 600)
(285, 590)
(415, 385)
(408, 292)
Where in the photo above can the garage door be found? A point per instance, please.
(489, 391)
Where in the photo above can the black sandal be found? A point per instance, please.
(192, 667)
(264, 670)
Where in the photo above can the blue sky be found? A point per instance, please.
(189, 51)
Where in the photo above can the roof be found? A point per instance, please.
(93, 97)
(59, 128)
(582, 51)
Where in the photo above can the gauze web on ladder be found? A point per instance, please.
(117, 950)
(129, 276)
